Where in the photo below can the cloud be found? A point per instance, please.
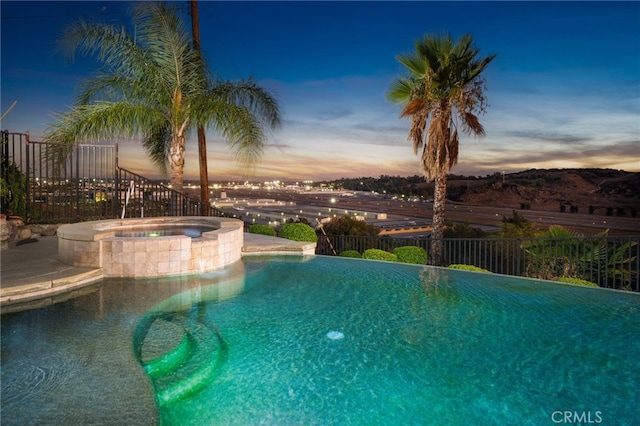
(334, 113)
(621, 155)
(547, 136)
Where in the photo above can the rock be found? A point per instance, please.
(24, 233)
(36, 229)
(49, 230)
(14, 229)
(16, 221)
(5, 233)
(8, 232)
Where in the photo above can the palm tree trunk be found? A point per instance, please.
(176, 163)
(204, 172)
(202, 140)
(439, 199)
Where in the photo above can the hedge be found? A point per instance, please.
(351, 253)
(467, 267)
(298, 232)
(411, 254)
(377, 254)
(578, 281)
(257, 228)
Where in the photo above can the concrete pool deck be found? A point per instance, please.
(31, 275)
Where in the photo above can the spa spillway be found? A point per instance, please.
(151, 247)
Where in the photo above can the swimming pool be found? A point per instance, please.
(319, 340)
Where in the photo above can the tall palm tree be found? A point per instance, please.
(156, 87)
(442, 92)
(202, 139)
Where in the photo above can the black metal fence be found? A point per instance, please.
(611, 262)
(51, 183)
(142, 197)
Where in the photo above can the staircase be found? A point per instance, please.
(180, 354)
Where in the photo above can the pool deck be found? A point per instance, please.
(30, 270)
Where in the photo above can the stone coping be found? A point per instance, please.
(101, 229)
(58, 288)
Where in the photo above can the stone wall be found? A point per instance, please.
(13, 228)
(94, 244)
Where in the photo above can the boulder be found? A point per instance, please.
(49, 230)
(24, 233)
(5, 232)
(16, 221)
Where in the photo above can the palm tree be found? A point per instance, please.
(202, 139)
(155, 86)
(442, 91)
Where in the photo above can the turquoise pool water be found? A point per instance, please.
(328, 341)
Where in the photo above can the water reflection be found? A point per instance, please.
(72, 362)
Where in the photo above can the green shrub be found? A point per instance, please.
(463, 230)
(411, 254)
(349, 226)
(377, 254)
(351, 253)
(298, 232)
(257, 228)
(578, 281)
(467, 267)
(517, 226)
(13, 195)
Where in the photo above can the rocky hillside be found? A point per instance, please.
(549, 189)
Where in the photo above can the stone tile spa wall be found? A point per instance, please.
(96, 245)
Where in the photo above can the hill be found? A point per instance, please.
(601, 191)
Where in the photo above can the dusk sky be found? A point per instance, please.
(564, 90)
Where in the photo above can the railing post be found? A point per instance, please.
(4, 145)
(114, 186)
(28, 180)
(637, 265)
(75, 181)
(517, 248)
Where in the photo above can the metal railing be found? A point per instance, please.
(53, 183)
(84, 182)
(50, 183)
(611, 262)
(141, 197)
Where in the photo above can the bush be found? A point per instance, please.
(463, 230)
(411, 254)
(298, 232)
(517, 226)
(351, 253)
(468, 267)
(349, 226)
(13, 195)
(578, 281)
(257, 228)
(377, 254)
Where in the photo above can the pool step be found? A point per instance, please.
(189, 366)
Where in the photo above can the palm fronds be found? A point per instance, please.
(154, 86)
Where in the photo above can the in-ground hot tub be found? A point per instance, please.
(151, 247)
(192, 231)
